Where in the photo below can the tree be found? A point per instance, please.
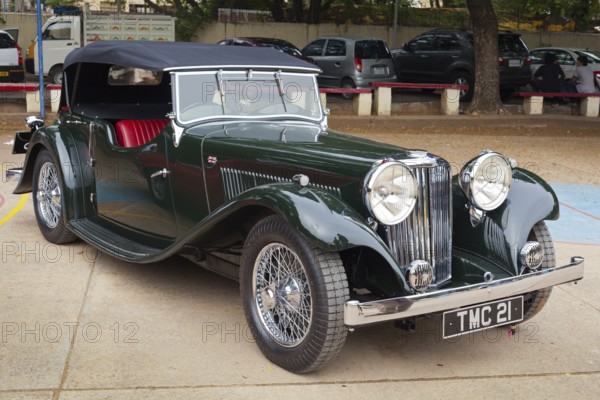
(486, 97)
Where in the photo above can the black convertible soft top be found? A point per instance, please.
(165, 56)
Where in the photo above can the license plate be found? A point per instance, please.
(3, 73)
(379, 71)
(21, 142)
(482, 316)
(514, 63)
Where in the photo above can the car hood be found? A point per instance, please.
(305, 146)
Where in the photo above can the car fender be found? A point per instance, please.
(460, 66)
(324, 219)
(501, 233)
(65, 151)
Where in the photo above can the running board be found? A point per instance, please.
(112, 243)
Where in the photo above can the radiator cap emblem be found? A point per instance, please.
(419, 275)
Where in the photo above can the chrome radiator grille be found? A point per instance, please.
(427, 232)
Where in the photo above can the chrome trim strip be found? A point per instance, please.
(356, 313)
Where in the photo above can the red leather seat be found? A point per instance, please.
(135, 132)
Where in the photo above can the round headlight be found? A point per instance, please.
(486, 180)
(391, 192)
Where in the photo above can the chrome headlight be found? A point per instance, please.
(390, 192)
(486, 180)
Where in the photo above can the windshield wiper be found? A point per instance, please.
(281, 91)
(220, 88)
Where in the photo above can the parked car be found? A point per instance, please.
(448, 56)
(350, 62)
(324, 231)
(566, 58)
(278, 44)
(11, 62)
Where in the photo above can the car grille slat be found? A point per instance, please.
(236, 181)
(427, 232)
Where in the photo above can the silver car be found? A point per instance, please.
(566, 58)
(351, 61)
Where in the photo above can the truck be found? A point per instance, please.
(71, 28)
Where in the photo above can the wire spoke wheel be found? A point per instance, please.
(282, 294)
(49, 195)
(48, 202)
(293, 295)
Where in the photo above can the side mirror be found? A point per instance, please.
(34, 123)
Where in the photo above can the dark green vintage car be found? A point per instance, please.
(222, 155)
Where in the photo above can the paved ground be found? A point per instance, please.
(80, 325)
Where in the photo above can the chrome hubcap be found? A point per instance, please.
(282, 295)
(462, 81)
(49, 195)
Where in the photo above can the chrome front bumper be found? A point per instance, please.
(356, 313)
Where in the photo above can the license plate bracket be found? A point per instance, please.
(482, 316)
(514, 63)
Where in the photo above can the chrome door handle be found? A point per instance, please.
(163, 172)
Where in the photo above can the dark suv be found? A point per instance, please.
(443, 56)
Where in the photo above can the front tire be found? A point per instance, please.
(293, 296)
(48, 202)
(535, 301)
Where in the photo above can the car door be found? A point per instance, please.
(59, 39)
(567, 61)
(315, 50)
(445, 58)
(414, 62)
(132, 184)
(537, 59)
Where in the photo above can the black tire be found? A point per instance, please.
(55, 75)
(295, 311)
(464, 78)
(48, 204)
(535, 301)
(347, 83)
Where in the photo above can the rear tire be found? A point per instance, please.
(464, 78)
(293, 296)
(535, 301)
(347, 83)
(48, 204)
(55, 75)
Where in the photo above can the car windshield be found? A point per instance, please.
(371, 49)
(245, 94)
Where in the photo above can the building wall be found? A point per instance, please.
(301, 34)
